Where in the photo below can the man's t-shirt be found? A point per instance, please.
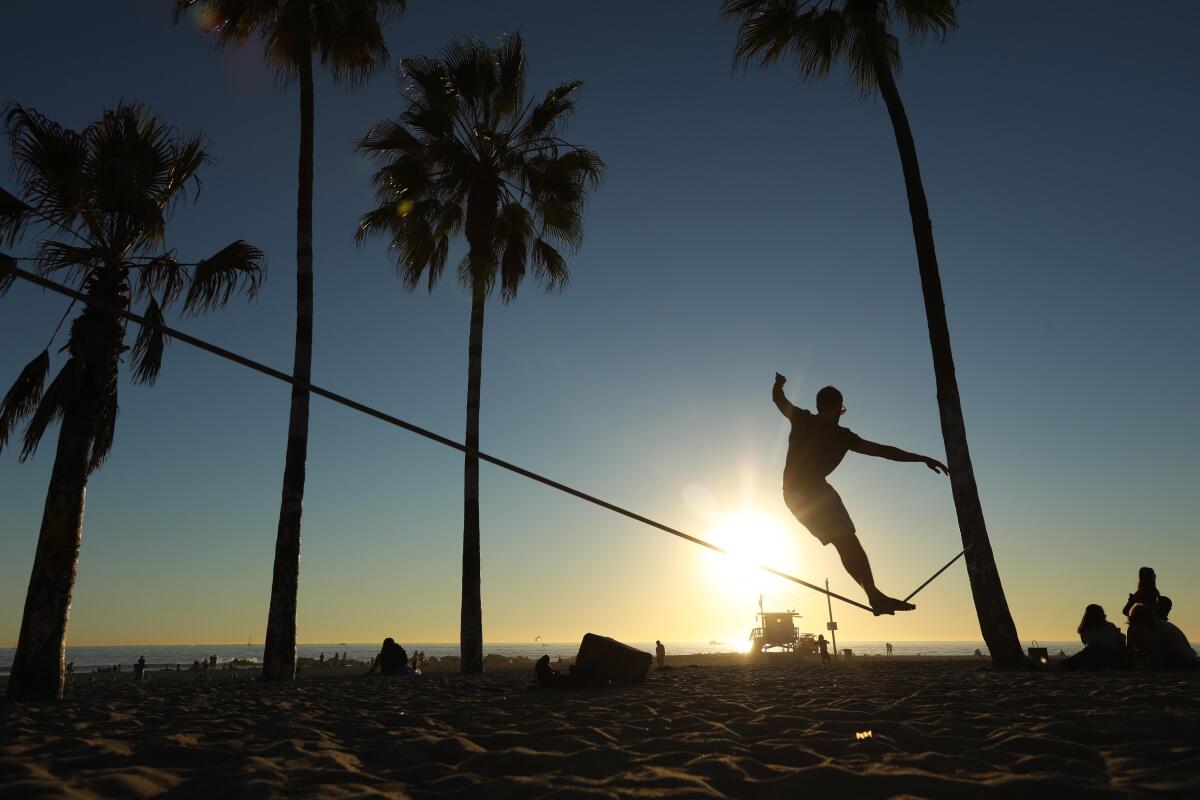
(815, 448)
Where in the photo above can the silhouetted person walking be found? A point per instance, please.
(660, 652)
(889, 648)
(823, 646)
(815, 448)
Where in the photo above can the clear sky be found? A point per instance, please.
(748, 224)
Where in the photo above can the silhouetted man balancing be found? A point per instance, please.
(816, 446)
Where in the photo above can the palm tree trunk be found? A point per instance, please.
(279, 648)
(471, 630)
(38, 671)
(995, 620)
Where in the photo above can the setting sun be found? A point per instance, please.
(752, 537)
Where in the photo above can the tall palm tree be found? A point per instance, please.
(470, 155)
(102, 197)
(818, 34)
(346, 37)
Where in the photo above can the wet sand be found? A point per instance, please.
(780, 728)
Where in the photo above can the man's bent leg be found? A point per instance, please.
(821, 511)
(855, 560)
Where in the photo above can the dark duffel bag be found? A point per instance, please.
(603, 660)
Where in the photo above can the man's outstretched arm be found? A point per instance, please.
(781, 402)
(896, 454)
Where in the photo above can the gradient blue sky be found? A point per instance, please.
(748, 224)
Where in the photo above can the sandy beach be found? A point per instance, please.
(872, 728)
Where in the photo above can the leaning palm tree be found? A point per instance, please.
(470, 155)
(101, 198)
(347, 38)
(818, 34)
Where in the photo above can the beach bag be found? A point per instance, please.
(604, 660)
(1039, 654)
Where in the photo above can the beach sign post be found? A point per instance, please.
(831, 626)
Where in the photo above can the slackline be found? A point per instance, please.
(10, 266)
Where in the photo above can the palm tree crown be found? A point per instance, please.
(345, 36)
(820, 33)
(102, 197)
(471, 155)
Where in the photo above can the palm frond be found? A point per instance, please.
(923, 18)
(478, 282)
(187, 156)
(349, 38)
(7, 276)
(510, 61)
(547, 117)
(386, 137)
(230, 22)
(77, 262)
(549, 266)
(238, 267)
(47, 162)
(130, 175)
(23, 396)
(862, 49)
(420, 234)
(52, 405)
(472, 70)
(434, 122)
(513, 234)
(161, 276)
(148, 347)
(104, 424)
(427, 83)
(14, 213)
(765, 29)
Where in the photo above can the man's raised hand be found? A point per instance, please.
(937, 466)
(779, 379)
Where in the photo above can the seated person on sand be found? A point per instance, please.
(1147, 591)
(392, 659)
(1177, 650)
(1104, 644)
(1144, 637)
(816, 446)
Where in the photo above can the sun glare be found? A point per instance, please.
(753, 538)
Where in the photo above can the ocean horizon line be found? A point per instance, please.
(12, 645)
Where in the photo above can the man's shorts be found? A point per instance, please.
(820, 509)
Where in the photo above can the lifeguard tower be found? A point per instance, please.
(777, 629)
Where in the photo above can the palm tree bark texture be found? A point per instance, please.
(38, 668)
(471, 619)
(279, 647)
(991, 606)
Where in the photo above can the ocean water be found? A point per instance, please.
(167, 656)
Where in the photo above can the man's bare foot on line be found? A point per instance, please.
(882, 604)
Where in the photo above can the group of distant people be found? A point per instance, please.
(1151, 640)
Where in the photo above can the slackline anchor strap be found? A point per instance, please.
(10, 266)
(913, 593)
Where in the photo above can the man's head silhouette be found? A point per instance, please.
(829, 402)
